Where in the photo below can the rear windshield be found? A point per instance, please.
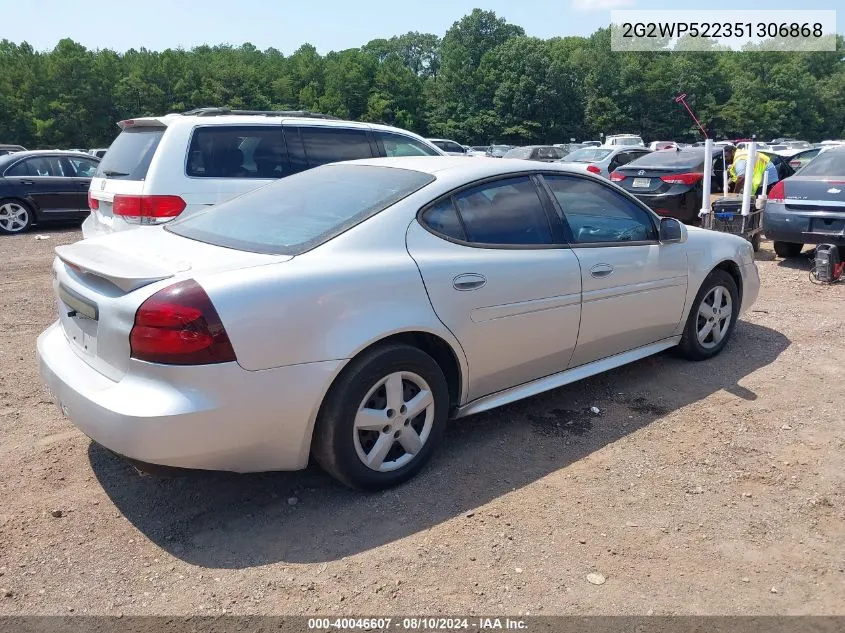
(587, 155)
(673, 159)
(302, 211)
(827, 163)
(130, 155)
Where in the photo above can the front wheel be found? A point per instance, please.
(712, 318)
(383, 418)
(787, 249)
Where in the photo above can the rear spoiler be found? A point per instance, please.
(145, 122)
(124, 270)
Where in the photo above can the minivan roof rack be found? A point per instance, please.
(226, 111)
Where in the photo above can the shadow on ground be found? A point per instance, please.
(237, 521)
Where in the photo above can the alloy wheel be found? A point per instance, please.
(394, 421)
(714, 317)
(13, 217)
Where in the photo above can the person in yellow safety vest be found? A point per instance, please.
(763, 164)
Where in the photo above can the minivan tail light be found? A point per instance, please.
(593, 169)
(93, 203)
(683, 179)
(147, 209)
(777, 193)
(617, 177)
(179, 326)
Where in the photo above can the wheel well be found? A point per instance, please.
(732, 269)
(438, 349)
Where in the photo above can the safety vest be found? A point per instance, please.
(760, 167)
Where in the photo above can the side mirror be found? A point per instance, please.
(672, 231)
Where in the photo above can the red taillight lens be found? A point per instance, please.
(93, 203)
(778, 192)
(795, 164)
(593, 169)
(179, 326)
(147, 209)
(683, 179)
(617, 177)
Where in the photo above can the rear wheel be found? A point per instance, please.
(788, 249)
(15, 216)
(755, 241)
(712, 318)
(383, 418)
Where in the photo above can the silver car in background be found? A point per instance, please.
(602, 161)
(348, 311)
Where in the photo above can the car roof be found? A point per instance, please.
(44, 152)
(459, 167)
(257, 119)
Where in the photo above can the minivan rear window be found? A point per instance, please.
(302, 211)
(130, 155)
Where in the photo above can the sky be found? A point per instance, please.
(327, 24)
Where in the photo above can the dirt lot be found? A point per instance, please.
(701, 488)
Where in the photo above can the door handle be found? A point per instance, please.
(469, 281)
(27, 182)
(601, 270)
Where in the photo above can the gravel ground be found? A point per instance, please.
(700, 488)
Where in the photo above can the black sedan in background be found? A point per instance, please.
(671, 181)
(809, 207)
(42, 186)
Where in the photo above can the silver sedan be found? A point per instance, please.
(602, 161)
(347, 312)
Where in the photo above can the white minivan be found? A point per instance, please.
(160, 167)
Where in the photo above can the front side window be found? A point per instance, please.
(237, 152)
(83, 167)
(400, 145)
(597, 214)
(504, 212)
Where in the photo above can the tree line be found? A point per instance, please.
(483, 82)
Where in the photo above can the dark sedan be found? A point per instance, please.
(809, 207)
(671, 181)
(42, 186)
(542, 153)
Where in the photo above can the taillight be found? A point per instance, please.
(147, 209)
(617, 177)
(795, 164)
(683, 179)
(593, 169)
(179, 326)
(93, 203)
(778, 192)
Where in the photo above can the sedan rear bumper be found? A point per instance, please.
(809, 227)
(213, 417)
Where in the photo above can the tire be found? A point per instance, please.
(755, 241)
(788, 249)
(15, 216)
(342, 447)
(696, 347)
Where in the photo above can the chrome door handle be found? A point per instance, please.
(469, 281)
(27, 182)
(601, 270)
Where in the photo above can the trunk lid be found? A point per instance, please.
(99, 284)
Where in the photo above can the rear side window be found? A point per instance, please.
(130, 155)
(40, 166)
(83, 167)
(505, 212)
(303, 211)
(321, 145)
(238, 152)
